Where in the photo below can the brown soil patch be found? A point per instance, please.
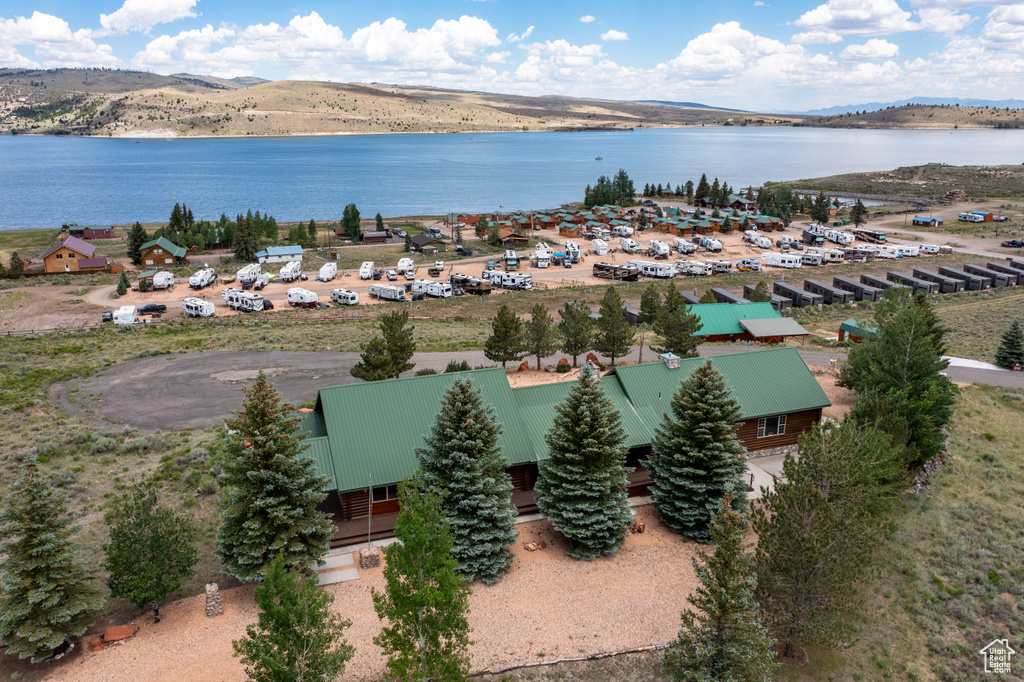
(842, 398)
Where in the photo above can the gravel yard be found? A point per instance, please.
(548, 606)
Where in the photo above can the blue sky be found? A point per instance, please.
(759, 55)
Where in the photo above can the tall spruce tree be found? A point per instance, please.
(399, 340)
(540, 337)
(858, 214)
(425, 599)
(462, 461)
(122, 284)
(760, 294)
(575, 329)
(582, 485)
(136, 239)
(311, 231)
(651, 305)
(677, 326)
(615, 336)
(296, 636)
(16, 266)
(374, 362)
(350, 222)
(246, 240)
(708, 297)
(722, 639)
(506, 340)
(47, 595)
(271, 489)
(151, 551)
(1011, 348)
(696, 459)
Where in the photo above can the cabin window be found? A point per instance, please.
(158, 251)
(771, 426)
(71, 255)
(60, 255)
(385, 493)
(168, 260)
(149, 261)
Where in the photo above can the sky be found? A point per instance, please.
(761, 55)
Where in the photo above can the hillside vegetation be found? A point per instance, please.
(931, 181)
(924, 116)
(95, 102)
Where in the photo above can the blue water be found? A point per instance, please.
(47, 181)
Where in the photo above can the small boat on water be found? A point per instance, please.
(599, 158)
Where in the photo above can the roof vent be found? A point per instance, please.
(671, 360)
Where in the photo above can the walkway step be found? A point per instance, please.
(336, 561)
(339, 576)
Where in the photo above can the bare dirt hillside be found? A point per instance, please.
(924, 116)
(930, 181)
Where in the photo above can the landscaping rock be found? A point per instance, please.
(213, 605)
(369, 557)
(563, 362)
(524, 366)
(118, 633)
(96, 644)
(593, 358)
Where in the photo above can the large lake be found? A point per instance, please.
(47, 181)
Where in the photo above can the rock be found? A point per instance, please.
(562, 362)
(541, 544)
(530, 546)
(118, 633)
(592, 358)
(96, 644)
(638, 527)
(524, 366)
(369, 557)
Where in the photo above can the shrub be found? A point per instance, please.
(562, 369)
(425, 372)
(101, 445)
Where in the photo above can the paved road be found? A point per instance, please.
(201, 389)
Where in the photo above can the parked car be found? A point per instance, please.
(400, 233)
(151, 308)
(1012, 244)
(108, 315)
(268, 304)
(392, 276)
(434, 272)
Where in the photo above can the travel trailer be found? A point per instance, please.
(710, 244)
(328, 271)
(781, 260)
(386, 292)
(693, 268)
(748, 265)
(202, 279)
(471, 285)
(366, 270)
(246, 301)
(811, 259)
(600, 247)
(163, 280)
(508, 280)
(622, 231)
(827, 255)
(197, 307)
(628, 245)
(650, 269)
(684, 246)
(126, 314)
(658, 249)
(624, 273)
(572, 250)
(344, 297)
(291, 271)
(248, 275)
(755, 238)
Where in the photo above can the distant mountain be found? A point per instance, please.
(248, 81)
(687, 105)
(876, 106)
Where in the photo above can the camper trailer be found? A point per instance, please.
(622, 231)
(649, 269)
(786, 242)
(344, 297)
(812, 259)
(202, 279)
(947, 285)
(817, 229)
(971, 281)
(710, 244)
(860, 291)
(625, 273)
(600, 247)
(246, 301)
(658, 249)
(508, 280)
(755, 238)
(197, 307)
(719, 266)
(366, 270)
(385, 292)
(919, 286)
(827, 255)
(693, 268)
(328, 271)
(907, 250)
(928, 249)
(840, 237)
(971, 218)
(439, 290)
(748, 265)
(781, 260)
(248, 275)
(163, 280)
(126, 314)
(419, 286)
(684, 246)
(829, 293)
(572, 251)
(291, 271)
(628, 245)
(471, 285)
(406, 268)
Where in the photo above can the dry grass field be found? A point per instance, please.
(929, 181)
(924, 116)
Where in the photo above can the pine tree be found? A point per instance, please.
(350, 222)
(540, 337)
(760, 294)
(614, 337)
(858, 214)
(3, 270)
(151, 551)
(722, 639)
(576, 329)
(122, 284)
(651, 306)
(16, 266)
(271, 490)
(425, 599)
(708, 297)
(407, 243)
(1011, 350)
(399, 341)
(582, 485)
(177, 220)
(462, 462)
(136, 239)
(46, 594)
(506, 340)
(379, 221)
(821, 209)
(246, 240)
(374, 362)
(296, 636)
(696, 459)
(677, 326)
(311, 230)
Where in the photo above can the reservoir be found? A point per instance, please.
(47, 181)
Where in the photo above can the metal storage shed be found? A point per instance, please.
(947, 285)
(773, 330)
(919, 285)
(861, 291)
(721, 321)
(998, 279)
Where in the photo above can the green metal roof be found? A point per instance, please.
(312, 423)
(764, 383)
(724, 318)
(858, 328)
(167, 245)
(375, 427)
(319, 450)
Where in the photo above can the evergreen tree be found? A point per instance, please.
(760, 294)
(311, 231)
(379, 221)
(722, 639)
(622, 188)
(296, 636)
(350, 223)
(614, 337)
(226, 231)
(677, 326)
(540, 336)
(46, 594)
(506, 340)
(136, 239)
(689, 189)
(576, 329)
(177, 219)
(457, 366)
(1011, 350)
(582, 485)
(462, 462)
(3, 270)
(246, 241)
(821, 209)
(16, 266)
(858, 214)
(375, 361)
(407, 242)
(715, 194)
(399, 341)
(696, 458)
(123, 284)
(270, 228)
(651, 306)
(151, 551)
(708, 297)
(425, 599)
(271, 490)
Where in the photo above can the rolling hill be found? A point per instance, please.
(924, 116)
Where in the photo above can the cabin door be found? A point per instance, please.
(67, 267)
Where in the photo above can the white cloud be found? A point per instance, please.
(53, 42)
(142, 15)
(513, 38)
(857, 17)
(613, 35)
(759, 3)
(876, 48)
(726, 50)
(942, 20)
(817, 38)
(587, 19)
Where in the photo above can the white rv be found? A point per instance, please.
(542, 258)
(291, 271)
(928, 249)
(572, 250)
(839, 237)
(197, 307)
(385, 292)
(970, 218)
(126, 314)
(684, 246)
(420, 286)
(439, 289)
(344, 297)
(622, 231)
(302, 298)
(508, 280)
(600, 247)
(906, 250)
(817, 229)
(710, 244)
(248, 275)
(366, 270)
(163, 280)
(718, 266)
(658, 248)
(202, 279)
(649, 269)
(810, 258)
(884, 251)
(246, 301)
(827, 255)
(686, 267)
(406, 267)
(628, 245)
(328, 271)
(781, 260)
(748, 265)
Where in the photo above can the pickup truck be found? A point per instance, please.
(151, 308)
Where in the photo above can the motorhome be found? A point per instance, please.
(197, 307)
(246, 301)
(126, 314)
(693, 268)
(650, 269)
(812, 238)
(248, 275)
(755, 238)
(748, 265)
(827, 255)
(385, 292)
(840, 237)
(658, 249)
(710, 244)
(622, 231)
(628, 245)
(291, 271)
(366, 270)
(781, 260)
(542, 258)
(818, 229)
(328, 271)
(873, 236)
(600, 247)
(344, 297)
(471, 285)
(202, 279)
(684, 246)
(812, 259)
(572, 250)
(511, 260)
(625, 273)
